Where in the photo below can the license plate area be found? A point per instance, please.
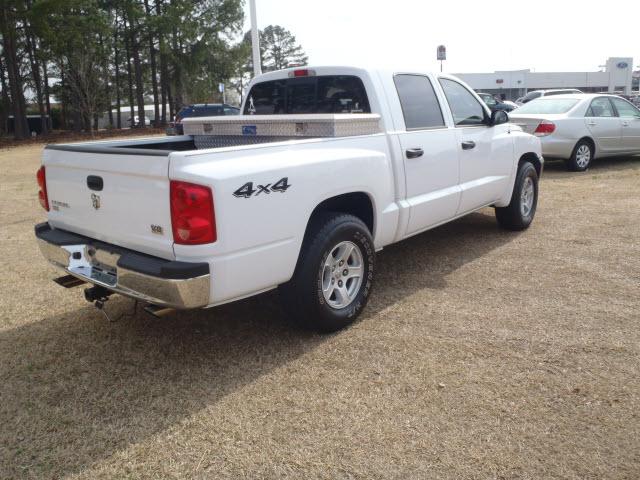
(83, 263)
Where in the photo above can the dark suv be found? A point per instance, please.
(493, 103)
(200, 110)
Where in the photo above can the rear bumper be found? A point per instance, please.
(154, 280)
(557, 147)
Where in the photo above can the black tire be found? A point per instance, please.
(303, 298)
(514, 216)
(578, 161)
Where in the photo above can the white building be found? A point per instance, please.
(616, 77)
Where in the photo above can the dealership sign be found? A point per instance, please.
(442, 52)
(622, 65)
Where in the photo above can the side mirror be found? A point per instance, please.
(498, 117)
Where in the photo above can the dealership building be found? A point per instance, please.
(617, 76)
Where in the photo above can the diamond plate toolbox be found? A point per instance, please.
(287, 126)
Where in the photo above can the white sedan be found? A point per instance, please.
(578, 128)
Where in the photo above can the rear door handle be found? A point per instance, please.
(625, 124)
(414, 152)
(468, 145)
(592, 123)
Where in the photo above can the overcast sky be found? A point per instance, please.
(480, 36)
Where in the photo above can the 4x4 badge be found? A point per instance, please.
(95, 200)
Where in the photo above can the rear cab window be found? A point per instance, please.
(307, 95)
(420, 106)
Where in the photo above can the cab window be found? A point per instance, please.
(420, 106)
(464, 106)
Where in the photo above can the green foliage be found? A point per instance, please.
(103, 52)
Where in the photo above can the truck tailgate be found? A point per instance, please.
(121, 199)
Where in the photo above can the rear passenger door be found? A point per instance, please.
(604, 125)
(486, 153)
(430, 157)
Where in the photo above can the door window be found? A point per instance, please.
(420, 105)
(600, 107)
(464, 106)
(625, 109)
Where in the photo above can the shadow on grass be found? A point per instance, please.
(77, 389)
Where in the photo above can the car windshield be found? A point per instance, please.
(548, 106)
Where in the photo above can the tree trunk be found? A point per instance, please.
(37, 80)
(8, 30)
(47, 95)
(107, 78)
(135, 45)
(117, 65)
(6, 103)
(32, 54)
(154, 77)
(130, 80)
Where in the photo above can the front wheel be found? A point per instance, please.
(519, 214)
(334, 275)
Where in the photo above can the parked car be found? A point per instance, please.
(578, 128)
(136, 121)
(545, 93)
(493, 103)
(513, 105)
(328, 166)
(200, 110)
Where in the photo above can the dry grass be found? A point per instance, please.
(483, 354)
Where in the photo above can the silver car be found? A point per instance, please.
(579, 128)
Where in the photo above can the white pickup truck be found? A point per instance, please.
(324, 167)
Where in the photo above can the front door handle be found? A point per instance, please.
(470, 145)
(625, 124)
(592, 123)
(414, 152)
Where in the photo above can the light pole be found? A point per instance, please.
(255, 39)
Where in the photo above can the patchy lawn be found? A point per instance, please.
(482, 354)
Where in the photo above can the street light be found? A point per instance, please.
(255, 39)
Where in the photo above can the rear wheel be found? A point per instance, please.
(581, 157)
(519, 214)
(334, 274)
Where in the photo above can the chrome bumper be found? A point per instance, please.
(100, 264)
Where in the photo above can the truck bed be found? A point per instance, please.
(222, 132)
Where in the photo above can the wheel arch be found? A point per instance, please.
(359, 204)
(591, 141)
(533, 158)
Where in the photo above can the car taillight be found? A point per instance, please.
(42, 193)
(192, 214)
(545, 128)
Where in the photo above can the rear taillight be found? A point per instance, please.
(192, 214)
(545, 128)
(42, 193)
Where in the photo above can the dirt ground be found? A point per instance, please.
(482, 354)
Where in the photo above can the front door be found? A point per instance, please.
(430, 161)
(485, 153)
